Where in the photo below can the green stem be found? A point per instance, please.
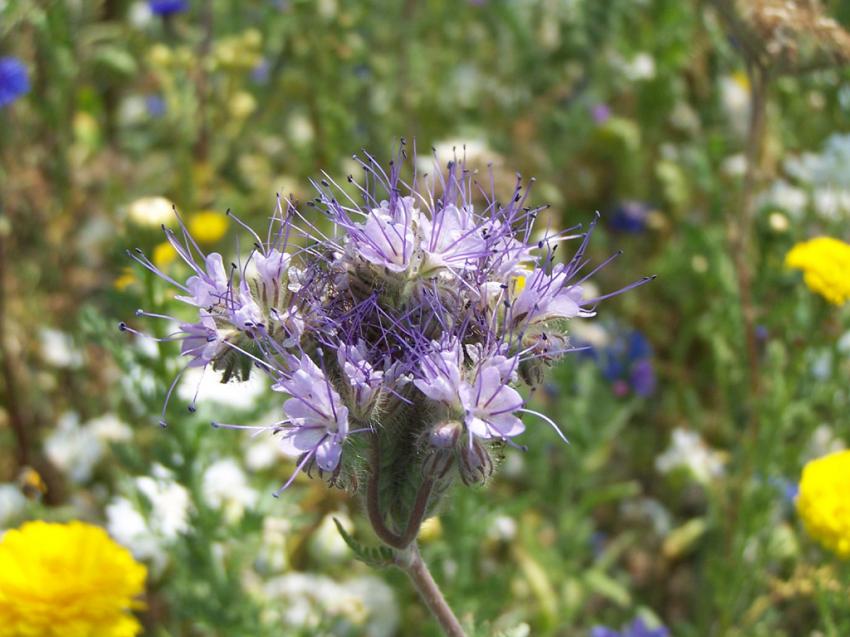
(410, 561)
(373, 508)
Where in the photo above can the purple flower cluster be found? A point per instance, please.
(404, 315)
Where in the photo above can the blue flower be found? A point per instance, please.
(14, 81)
(260, 74)
(637, 628)
(626, 362)
(629, 217)
(155, 105)
(168, 7)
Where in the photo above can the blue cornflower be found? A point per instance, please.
(14, 80)
(414, 318)
(168, 7)
(626, 362)
(155, 105)
(629, 217)
(637, 628)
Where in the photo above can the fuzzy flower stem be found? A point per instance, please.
(376, 518)
(373, 508)
(417, 515)
(410, 561)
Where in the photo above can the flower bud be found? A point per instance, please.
(474, 462)
(440, 444)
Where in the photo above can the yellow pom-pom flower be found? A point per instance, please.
(67, 580)
(164, 255)
(824, 501)
(208, 226)
(825, 263)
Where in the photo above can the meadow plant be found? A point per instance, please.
(398, 323)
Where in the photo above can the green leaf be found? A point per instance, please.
(375, 556)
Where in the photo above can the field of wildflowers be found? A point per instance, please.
(497, 318)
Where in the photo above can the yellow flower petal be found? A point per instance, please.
(208, 226)
(67, 580)
(823, 503)
(124, 281)
(164, 254)
(825, 263)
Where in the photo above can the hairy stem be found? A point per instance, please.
(373, 507)
(410, 561)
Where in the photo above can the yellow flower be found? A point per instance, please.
(67, 580)
(825, 263)
(127, 278)
(208, 226)
(823, 503)
(164, 254)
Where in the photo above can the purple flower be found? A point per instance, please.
(208, 287)
(600, 113)
(386, 238)
(630, 217)
(362, 378)
(482, 397)
(548, 296)
(318, 421)
(637, 628)
(202, 342)
(155, 105)
(260, 74)
(14, 80)
(410, 319)
(453, 239)
(440, 375)
(626, 362)
(489, 402)
(168, 7)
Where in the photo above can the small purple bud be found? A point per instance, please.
(474, 462)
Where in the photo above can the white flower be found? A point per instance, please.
(140, 15)
(273, 554)
(734, 165)
(151, 211)
(326, 544)
(640, 67)
(12, 503)
(783, 195)
(58, 349)
(382, 612)
(689, 451)
(127, 525)
(169, 500)
(109, 428)
(225, 487)
(831, 203)
(75, 450)
(823, 441)
(502, 528)
(211, 390)
(312, 601)
(735, 99)
(261, 453)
